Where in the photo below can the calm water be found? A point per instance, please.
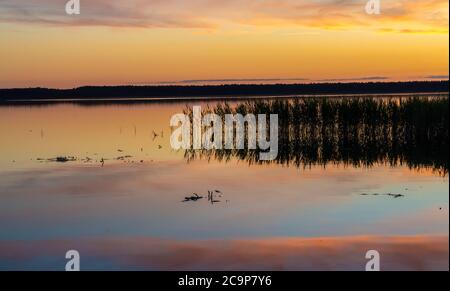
(321, 206)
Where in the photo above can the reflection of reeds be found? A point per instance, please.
(357, 131)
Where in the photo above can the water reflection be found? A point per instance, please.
(126, 216)
(358, 132)
(418, 253)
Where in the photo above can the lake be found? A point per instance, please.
(358, 174)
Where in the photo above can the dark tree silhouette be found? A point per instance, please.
(224, 90)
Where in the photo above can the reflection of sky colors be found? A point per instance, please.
(45, 132)
(398, 253)
(264, 201)
(42, 205)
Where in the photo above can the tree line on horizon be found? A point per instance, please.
(225, 90)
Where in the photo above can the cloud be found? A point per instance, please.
(396, 16)
(133, 13)
(437, 77)
(375, 78)
(415, 31)
(232, 81)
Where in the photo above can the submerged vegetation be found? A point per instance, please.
(357, 131)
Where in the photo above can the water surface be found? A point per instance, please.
(320, 206)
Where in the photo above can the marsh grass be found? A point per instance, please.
(357, 131)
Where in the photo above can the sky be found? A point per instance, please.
(121, 42)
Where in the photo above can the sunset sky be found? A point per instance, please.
(114, 42)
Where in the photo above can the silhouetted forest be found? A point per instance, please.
(353, 131)
(224, 90)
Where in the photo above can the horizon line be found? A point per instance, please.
(197, 83)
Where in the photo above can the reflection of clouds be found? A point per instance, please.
(62, 201)
(341, 253)
(418, 220)
(211, 13)
(171, 175)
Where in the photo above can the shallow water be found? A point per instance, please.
(128, 213)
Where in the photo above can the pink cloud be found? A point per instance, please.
(213, 13)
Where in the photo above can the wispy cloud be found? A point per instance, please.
(415, 31)
(361, 79)
(437, 77)
(236, 81)
(402, 16)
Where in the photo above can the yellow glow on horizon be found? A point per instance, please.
(75, 56)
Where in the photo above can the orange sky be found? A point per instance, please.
(138, 41)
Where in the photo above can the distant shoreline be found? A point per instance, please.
(174, 93)
(127, 100)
